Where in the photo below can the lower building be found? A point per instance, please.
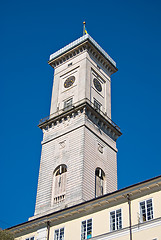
(130, 213)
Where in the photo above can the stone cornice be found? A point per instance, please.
(99, 119)
(87, 46)
(78, 42)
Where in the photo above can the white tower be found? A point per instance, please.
(78, 160)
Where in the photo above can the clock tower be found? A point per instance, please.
(79, 154)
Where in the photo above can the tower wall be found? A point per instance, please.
(84, 69)
(62, 72)
(75, 141)
(93, 158)
(62, 144)
(79, 137)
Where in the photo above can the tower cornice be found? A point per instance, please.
(102, 121)
(85, 43)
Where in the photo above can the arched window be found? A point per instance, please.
(99, 182)
(59, 183)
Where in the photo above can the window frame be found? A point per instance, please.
(98, 104)
(86, 229)
(140, 213)
(102, 179)
(59, 197)
(68, 106)
(58, 229)
(111, 230)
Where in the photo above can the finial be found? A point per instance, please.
(84, 28)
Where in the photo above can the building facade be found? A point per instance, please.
(130, 213)
(77, 196)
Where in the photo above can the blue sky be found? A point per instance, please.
(130, 32)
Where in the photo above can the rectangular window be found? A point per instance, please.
(97, 105)
(68, 104)
(59, 234)
(86, 229)
(32, 238)
(115, 220)
(146, 210)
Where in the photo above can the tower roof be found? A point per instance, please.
(78, 42)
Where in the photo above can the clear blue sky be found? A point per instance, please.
(130, 32)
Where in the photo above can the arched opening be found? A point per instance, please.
(59, 183)
(99, 182)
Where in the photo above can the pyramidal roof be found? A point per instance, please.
(78, 42)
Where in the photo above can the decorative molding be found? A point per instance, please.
(89, 112)
(84, 47)
(62, 144)
(100, 148)
(79, 41)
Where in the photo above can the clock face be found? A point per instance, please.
(97, 84)
(69, 81)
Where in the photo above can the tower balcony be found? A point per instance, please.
(91, 108)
